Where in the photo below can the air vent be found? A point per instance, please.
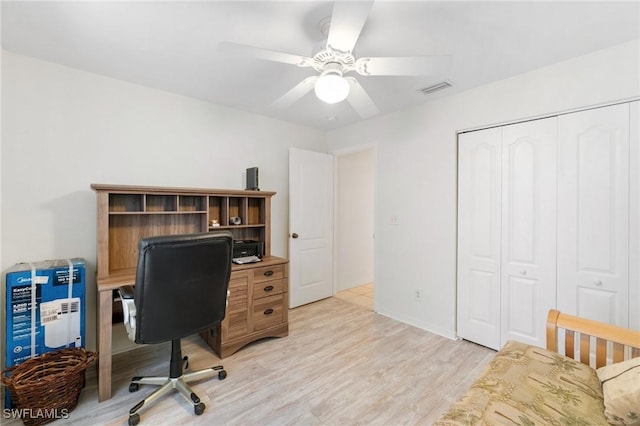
(434, 88)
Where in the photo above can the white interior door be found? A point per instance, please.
(310, 226)
(593, 214)
(479, 201)
(528, 284)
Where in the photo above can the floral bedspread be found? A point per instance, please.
(526, 385)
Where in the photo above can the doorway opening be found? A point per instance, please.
(354, 226)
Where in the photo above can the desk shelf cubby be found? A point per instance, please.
(128, 213)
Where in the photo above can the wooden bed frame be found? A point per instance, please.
(625, 343)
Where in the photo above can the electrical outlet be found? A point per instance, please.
(394, 220)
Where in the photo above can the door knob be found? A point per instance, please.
(597, 282)
(294, 235)
(523, 272)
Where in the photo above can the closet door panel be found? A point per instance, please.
(634, 217)
(479, 237)
(529, 183)
(519, 307)
(593, 214)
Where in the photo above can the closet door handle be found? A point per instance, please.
(597, 282)
(294, 235)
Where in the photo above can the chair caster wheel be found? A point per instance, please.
(134, 419)
(185, 362)
(133, 387)
(199, 409)
(222, 375)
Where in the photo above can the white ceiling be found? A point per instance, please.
(173, 45)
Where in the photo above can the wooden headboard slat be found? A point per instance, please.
(618, 352)
(569, 343)
(585, 349)
(601, 352)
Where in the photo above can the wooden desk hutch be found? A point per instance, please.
(258, 301)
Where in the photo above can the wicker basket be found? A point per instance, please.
(48, 387)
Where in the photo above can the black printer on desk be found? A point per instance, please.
(243, 248)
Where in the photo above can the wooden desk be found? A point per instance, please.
(258, 304)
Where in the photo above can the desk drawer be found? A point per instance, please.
(267, 312)
(268, 273)
(268, 288)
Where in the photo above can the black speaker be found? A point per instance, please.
(252, 179)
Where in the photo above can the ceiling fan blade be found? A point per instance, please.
(269, 55)
(298, 91)
(409, 65)
(360, 101)
(347, 21)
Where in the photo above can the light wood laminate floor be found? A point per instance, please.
(342, 364)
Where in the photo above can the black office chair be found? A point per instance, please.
(181, 289)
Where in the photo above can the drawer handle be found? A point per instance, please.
(268, 273)
(268, 288)
(268, 311)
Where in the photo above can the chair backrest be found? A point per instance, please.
(181, 284)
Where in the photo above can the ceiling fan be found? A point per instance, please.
(335, 59)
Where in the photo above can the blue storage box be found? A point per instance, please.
(59, 307)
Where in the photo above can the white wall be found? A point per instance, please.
(416, 172)
(64, 129)
(354, 218)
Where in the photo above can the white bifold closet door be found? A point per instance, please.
(479, 257)
(529, 182)
(506, 232)
(593, 214)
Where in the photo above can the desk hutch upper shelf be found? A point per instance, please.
(129, 213)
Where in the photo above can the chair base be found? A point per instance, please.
(177, 380)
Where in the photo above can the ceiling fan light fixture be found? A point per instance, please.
(331, 87)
